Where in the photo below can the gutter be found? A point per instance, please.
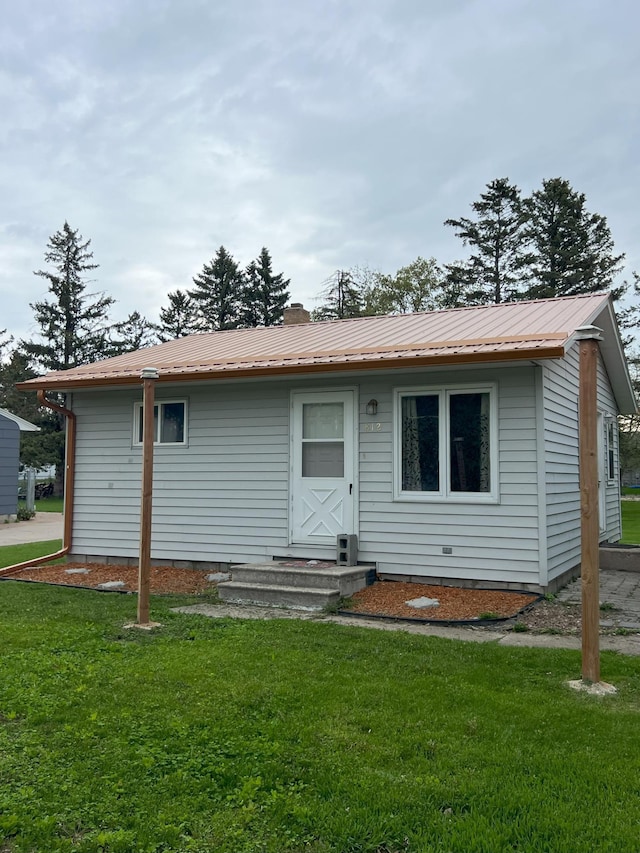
(69, 483)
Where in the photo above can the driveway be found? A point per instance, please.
(42, 528)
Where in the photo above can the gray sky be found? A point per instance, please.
(334, 132)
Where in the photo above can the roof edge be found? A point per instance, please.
(532, 354)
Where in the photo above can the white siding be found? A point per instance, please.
(561, 388)
(607, 405)
(225, 496)
(489, 542)
(222, 497)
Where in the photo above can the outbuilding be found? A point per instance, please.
(446, 442)
(10, 428)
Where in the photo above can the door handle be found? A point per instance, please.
(350, 487)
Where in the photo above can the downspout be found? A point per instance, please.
(69, 483)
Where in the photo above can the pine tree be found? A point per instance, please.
(132, 334)
(217, 293)
(499, 258)
(74, 325)
(342, 298)
(264, 295)
(178, 319)
(572, 248)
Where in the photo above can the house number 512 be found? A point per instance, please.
(372, 427)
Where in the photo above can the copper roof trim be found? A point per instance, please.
(308, 365)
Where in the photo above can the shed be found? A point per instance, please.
(447, 442)
(10, 428)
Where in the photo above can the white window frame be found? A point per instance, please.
(445, 493)
(137, 416)
(610, 447)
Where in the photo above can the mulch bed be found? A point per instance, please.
(456, 604)
(383, 598)
(163, 579)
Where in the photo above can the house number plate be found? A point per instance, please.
(372, 427)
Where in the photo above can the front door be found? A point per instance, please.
(322, 477)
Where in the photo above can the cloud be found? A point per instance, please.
(335, 134)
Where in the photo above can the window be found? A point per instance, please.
(610, 446)
(446, 444)
(169, 419)
(323, 439)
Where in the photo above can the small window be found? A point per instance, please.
(169, 420)
(611, 460)
(446, 444)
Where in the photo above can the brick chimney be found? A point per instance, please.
(295, 313)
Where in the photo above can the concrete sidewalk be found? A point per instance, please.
(41, 528)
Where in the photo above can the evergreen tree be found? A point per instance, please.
(342, 298)
(74, 330)
(217, 293)
(178, 319)
(264, 295)
(572, 248)
(73, 324)
(133, 333)
(496, 237)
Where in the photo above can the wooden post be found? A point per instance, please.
(589, 523)
(148, 376)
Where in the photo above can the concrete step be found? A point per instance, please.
(345, 579)
(267, 595)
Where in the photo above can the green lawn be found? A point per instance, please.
(631, 522)
(12, 554)
(224, 735)
(50, 505)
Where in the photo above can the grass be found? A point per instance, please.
(50, 505)
(630, 522)
(280, 736)
(47, 504)
(12, 554)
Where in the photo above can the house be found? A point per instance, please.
(446, 441)
(10, 428)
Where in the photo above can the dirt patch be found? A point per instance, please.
(163, 579)
(389, 598)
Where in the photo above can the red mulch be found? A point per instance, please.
(163, 579)
(387, 598)
(383, 598)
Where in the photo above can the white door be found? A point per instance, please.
(322, 476)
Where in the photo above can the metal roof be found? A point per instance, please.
(493, 333)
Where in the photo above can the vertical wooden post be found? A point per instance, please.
(589, 523)
(148, 376)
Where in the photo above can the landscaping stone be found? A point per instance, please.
(111, 585)
(76, 571)
(219, 577)
(422, 602)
